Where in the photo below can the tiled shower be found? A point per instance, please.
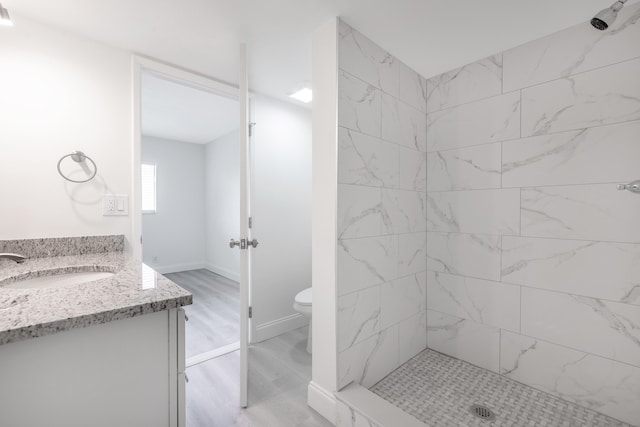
(479, 215)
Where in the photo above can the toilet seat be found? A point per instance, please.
(304, 297)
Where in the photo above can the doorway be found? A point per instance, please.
(190, 201)
(280, 156)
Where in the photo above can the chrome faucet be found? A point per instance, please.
(14, 257)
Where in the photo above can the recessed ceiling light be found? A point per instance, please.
(305, 95)
(5, 19)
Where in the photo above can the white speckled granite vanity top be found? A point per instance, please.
(134, 289)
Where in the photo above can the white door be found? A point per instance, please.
(245, 244)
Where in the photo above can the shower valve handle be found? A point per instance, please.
(633, 186)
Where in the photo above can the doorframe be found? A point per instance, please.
(178, 75)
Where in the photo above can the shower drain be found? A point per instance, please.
(483, 412)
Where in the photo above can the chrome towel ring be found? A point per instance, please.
(78, 157)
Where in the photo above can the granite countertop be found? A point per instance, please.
(134, 289)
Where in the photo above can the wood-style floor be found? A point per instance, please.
(214, 319)
(279, 372)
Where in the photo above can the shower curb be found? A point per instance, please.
(356, 404)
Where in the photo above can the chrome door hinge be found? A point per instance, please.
(250, 222)
(251, 125)
(250, 312)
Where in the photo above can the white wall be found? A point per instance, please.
(173, 237)
(222, 205)
(324, 228)
(61, 93)
(281, 212)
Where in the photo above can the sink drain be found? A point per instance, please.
(483, 412)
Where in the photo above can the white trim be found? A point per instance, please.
(176, 268)
(221, 271)
(277, 327)
(221, 351)
(322, 401)
(174, 344)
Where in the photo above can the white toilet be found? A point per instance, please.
(302, 305)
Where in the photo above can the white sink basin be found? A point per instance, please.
(59, 280)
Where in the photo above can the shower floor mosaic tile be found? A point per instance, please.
(440, 390)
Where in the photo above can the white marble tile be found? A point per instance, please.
(359, 211)
(609, 271)
(483, 301)
(364, 59)
(403, 211)
(473, 255)
(412, 253)
(574, 50)
(369, 361)
(469, 168)
(603, 96)
(592, 155)
(421, 283)
(607, 329)
(403, 124)
(358, 105)
(403, 298)
(592, 212)
(412, 169)
(480, 122)
(412, 336)
(365, 262)
(359, 316)
(464, 339)
(413, 125)
(472, 82)
(600, 384)
(365, 160)
(390, 119)
(349, 417)
(478, 211)
(413, 88)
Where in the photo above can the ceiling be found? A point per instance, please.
(431, 36)
(182, 113)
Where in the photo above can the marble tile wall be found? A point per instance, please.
(382, 211)
(532, 254)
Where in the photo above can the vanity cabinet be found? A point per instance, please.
(125, 373)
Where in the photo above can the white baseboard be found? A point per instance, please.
(277, 327)
(221, 351)
(235, 276)
(175, 268)
(322, 401)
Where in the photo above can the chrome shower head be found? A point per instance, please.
(605, 17)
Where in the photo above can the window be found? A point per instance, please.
(148, 188)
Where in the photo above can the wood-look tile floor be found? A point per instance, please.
(214, 319)
(279, 372)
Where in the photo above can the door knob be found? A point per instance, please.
(243, 243)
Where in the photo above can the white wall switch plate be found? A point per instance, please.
(115, 205)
